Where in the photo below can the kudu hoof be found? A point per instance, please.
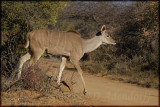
(84, 92)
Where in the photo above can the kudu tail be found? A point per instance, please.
(27, 44)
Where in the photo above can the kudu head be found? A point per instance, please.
(106, 39)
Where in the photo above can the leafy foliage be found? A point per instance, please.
(18, 18)
(28, 15)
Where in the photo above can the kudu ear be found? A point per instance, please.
(98, 34)
(103, 28)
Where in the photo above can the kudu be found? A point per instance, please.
(68, 44)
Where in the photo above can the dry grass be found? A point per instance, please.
(36, 88)
(127, 70)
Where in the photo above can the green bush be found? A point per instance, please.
(18, 18)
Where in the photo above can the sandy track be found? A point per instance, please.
(101, 90)
(113, 92)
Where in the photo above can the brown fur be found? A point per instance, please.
(61, 43)
(56, 43)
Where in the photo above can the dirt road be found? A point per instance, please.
(100, 91)
(112, 92)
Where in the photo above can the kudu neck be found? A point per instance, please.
(91, 44)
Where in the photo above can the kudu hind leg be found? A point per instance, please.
(62, 66)
(35, 57)
(23, 59)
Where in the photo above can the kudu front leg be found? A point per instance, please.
(62, 66)
(80, 73)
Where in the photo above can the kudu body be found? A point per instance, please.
(62, 43)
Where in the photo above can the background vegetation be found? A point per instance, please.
(134, 25)
(18, 18)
